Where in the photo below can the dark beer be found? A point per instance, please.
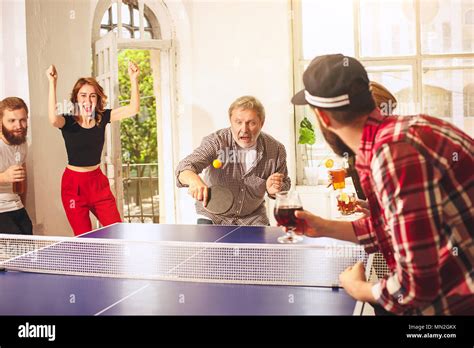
(285, 216)
(19, 187)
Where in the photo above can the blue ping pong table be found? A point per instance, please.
(24, 293)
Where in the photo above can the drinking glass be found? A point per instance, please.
(346, 203)
(287, 202)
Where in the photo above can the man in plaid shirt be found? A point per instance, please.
(418, 175)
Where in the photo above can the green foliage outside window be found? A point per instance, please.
(138, 133)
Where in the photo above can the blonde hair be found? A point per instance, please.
(248, 102)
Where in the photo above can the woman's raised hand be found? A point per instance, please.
(133, 70)
(51, 73)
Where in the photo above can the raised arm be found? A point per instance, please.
(55, 119)
(279, 180)
(134, 107)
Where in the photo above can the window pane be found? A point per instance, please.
(103, 32)
(114, 13)
(311, 155)
(146, 23)
(327, 27)
(387, 28)
(148, 35)
(136, 18)
(105, 19)
(126, 34)
(398, 80)
(446, 26)
(137, 34)
(125, 14)
(448, 90)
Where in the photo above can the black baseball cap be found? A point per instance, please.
(328, 80)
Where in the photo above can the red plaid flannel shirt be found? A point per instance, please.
(418, 175)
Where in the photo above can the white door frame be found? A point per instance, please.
(106, 72)
(165, 120)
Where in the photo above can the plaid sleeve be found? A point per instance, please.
(409, 191)
(282, 168)
(200, 159)
(364, 231)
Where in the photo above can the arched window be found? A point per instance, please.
(130, 21)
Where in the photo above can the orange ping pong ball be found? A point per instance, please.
(216, 164)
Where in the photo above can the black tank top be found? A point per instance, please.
(84, 145)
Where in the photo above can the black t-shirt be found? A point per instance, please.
(84, 145)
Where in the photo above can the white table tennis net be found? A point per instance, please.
(275, 264)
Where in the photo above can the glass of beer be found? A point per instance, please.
(338, 177)
(19, 186)
(336, 172)
(287, 202)
(346, 203)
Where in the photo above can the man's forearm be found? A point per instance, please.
(361, 291)
(187, 176)
(341, 230)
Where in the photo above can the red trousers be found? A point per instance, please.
(84, 192)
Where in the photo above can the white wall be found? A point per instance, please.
(14, 73)
(13, 62)
(238, 48)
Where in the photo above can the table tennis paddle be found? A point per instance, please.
(219, 199)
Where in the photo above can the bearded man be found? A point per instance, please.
(13, 148)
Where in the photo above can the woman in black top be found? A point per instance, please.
(84, 188)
